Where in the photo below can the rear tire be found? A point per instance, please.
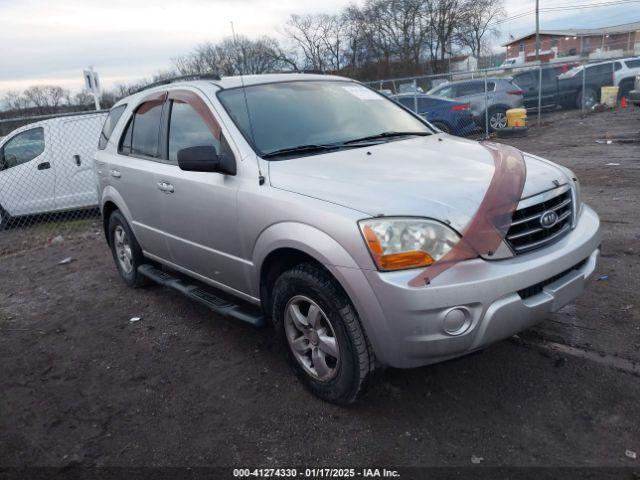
(590, 97)
(497, 119)
(321, 332)
(126, 251)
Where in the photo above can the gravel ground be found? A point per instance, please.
(82, 385)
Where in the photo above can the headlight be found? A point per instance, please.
(578, 196)
(399, 243)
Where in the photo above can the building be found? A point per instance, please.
(463, 63)
(573, 44)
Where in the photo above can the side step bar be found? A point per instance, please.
(217, 304)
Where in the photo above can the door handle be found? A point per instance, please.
(44, 166)
(165, 187)
(116, 173)
(77, 160)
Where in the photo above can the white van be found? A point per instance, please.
(47, 166)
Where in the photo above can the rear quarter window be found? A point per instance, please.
(109, 124)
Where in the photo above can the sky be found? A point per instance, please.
(52, 41)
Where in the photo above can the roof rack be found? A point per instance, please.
(181, 78)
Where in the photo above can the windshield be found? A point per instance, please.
(286, 115)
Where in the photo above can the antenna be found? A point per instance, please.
(246, 103)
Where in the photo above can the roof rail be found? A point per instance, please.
(167, 81)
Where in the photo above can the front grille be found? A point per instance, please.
(527, 233)
(538, 287)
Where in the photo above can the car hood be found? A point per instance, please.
(437, 176)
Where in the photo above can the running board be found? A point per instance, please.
(217, 304)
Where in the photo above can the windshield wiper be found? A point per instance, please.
(383, 135)
(327, 147)
(311, 148)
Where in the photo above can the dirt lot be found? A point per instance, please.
(80, 384)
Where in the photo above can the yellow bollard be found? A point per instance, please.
(517, 117)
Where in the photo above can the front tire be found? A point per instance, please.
(326, 345)
(126, 251)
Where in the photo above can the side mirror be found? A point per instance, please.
(205, 158)
(199, 159)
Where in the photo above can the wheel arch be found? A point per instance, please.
(112, 201)
(285, 244)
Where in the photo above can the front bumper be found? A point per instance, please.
(411, 327)
(634, 97)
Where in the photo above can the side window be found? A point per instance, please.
(188, 129)
(633, 63)
(446, 91)
(525, 80)
(472, 88)
(22, 148)
(143, 131)
(617, 66)
(109, 125)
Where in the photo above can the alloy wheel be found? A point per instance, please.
(498, 120)
(311, 338)
(123, 249)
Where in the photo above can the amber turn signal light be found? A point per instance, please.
(394, 261)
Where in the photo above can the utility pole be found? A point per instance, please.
(537, 30)
(538, 59)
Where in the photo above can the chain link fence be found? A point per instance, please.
(46, 170)
(475, 103)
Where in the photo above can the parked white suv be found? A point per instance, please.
(362, 234)
(47, 166)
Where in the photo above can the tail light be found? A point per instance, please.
(458, 108)
(515, 92)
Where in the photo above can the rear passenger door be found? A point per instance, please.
(473, 93)
(529, 86)
(132, 172)
(200, 212)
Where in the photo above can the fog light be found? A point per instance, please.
(456, 321)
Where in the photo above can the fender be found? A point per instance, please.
(303, 237)
(336, 260)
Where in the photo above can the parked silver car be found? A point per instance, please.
(501, 95)
(362, 234)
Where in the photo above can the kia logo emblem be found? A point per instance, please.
(548, 219)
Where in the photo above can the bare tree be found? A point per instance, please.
(445, 17)
(321, 38)
(15, 101)
(46, 98)
(233, 56)
(478, 24)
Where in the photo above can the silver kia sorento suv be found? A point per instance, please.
(364, 236)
